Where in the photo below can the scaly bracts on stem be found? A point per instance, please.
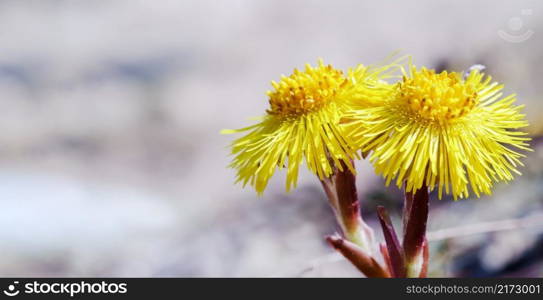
(363, 262)
(394, 255)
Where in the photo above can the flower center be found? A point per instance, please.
(435, 97)
(307, 91)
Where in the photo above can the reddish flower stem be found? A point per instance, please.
(415, 219)
(341, 191)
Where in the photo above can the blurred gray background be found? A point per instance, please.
(111, 161)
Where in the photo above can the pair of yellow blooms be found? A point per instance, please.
(447, 130)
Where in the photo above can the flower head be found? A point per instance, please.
(444, 130)
(303, 122)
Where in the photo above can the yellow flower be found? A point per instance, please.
(303, 121)
(442, 130)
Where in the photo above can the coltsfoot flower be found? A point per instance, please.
(444, 131)
(303, 122)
